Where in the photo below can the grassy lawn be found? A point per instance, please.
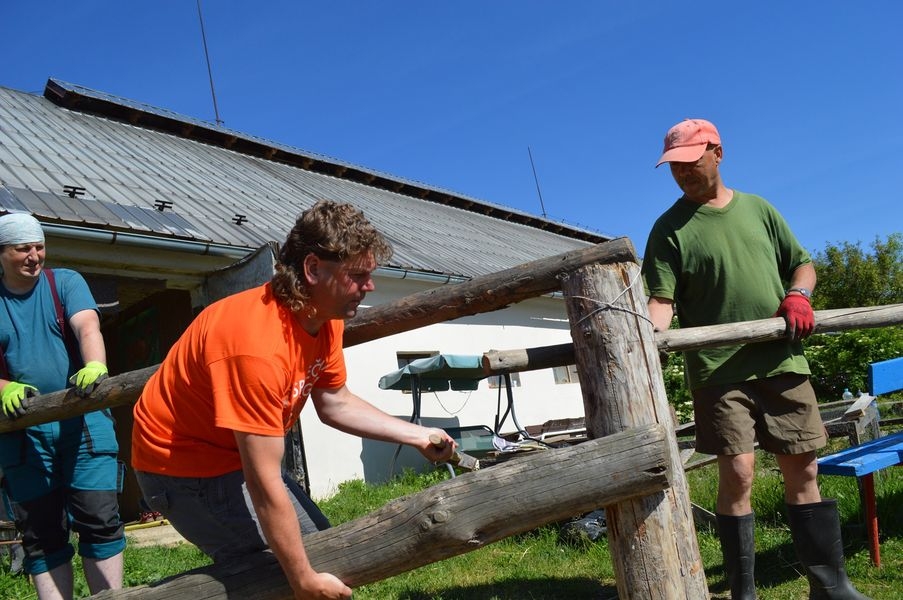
(547, 564)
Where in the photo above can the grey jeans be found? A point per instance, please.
(215, 513)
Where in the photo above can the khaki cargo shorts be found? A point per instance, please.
(781, 412)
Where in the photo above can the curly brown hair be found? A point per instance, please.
(331, 231)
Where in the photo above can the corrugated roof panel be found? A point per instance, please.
(35, 203)
(126, 169)
(93, 211)
(29, 179)
(7, 174)
(7, 155)
(61, 206)
(10, 202)
(413, 224)
(131, 216)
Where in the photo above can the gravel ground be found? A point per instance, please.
(158, 533)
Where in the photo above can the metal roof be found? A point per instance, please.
(82, 158)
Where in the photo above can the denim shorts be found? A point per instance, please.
(61, 477)
(216, 514)
(780, 412)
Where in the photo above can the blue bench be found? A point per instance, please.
(864, 460)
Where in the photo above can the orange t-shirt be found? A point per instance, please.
(244, 364)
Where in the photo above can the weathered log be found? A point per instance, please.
(652, 539)
(56, 406)
(481, 294)
(676, 340)
(528, 359)
(763, 330)
(450, 518)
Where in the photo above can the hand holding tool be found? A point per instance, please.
(458, 458)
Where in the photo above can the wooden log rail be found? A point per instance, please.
(481, 294)
(56, 406)
(450, 518)
(677, 340)
(125, 388)
(652, 540)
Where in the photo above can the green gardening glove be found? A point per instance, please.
(87, 378)
(13, 398)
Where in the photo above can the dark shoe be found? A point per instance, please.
(149, 516)
(17, 559)
(738, 550)
(816, 539)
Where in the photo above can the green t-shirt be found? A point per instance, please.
(725, 265)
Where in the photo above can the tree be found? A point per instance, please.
(849, 277)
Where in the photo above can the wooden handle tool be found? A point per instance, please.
(458, 458)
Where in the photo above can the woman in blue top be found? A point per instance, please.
(63, 474)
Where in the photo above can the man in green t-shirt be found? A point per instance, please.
(716, 256)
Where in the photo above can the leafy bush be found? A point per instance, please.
(841, 360)
(676, 387)
(849, 276)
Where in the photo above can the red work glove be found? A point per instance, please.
(797, 312)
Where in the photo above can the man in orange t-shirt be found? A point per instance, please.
(208, 439)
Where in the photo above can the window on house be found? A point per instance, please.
(566, 374)
(498, 381)
(406, 358)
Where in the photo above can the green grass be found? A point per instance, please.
(779, 576)
(545, 564)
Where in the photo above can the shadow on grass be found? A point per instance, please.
(778, 565)
(890, 517)
(521, 589)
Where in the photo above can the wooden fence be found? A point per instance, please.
(632, 467)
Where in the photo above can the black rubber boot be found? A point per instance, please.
(738, 550)
(816, 538)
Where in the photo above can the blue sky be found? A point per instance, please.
(808, 96)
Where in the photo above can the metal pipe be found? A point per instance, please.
(211, 249)
(144, 241)
(397, 273)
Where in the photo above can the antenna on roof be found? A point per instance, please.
(209, 70)
(536, 179)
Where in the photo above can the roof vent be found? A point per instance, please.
(239, 219)
(162, 205)
(73, 190)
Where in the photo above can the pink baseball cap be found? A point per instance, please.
(687, 141)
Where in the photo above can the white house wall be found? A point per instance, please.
(334, 457)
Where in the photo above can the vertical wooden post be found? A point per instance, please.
(652, 540)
